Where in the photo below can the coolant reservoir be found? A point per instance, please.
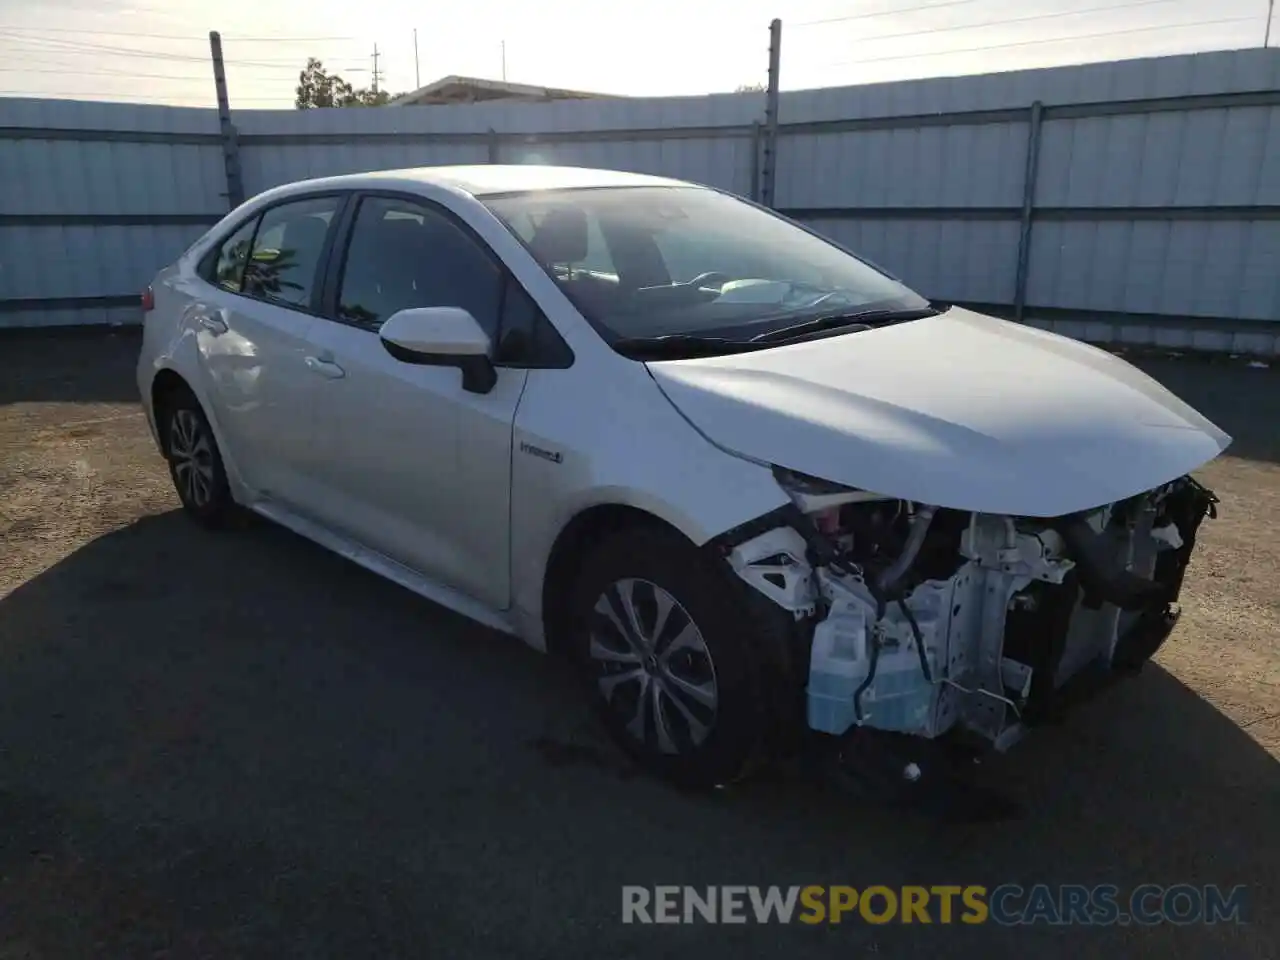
(837, 667)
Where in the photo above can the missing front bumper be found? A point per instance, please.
(1135, 648)
(1028, 623)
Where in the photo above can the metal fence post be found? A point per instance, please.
(757, 138)
(769, 171)
(1028, 210)
(230, 144)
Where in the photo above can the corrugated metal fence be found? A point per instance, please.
(1137, 199)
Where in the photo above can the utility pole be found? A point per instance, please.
(375, 68)
(769, 168)
(417, 77)
(230, 146)
(1271, 9)
(504, 61)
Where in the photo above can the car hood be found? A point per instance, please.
(959, 410)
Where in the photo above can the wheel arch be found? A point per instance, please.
(776, 642)
(586, 528)
(166, 384)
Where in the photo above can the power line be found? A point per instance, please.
(99, 96)
(27, 60)
(102, 33)
(882, 13)
(79, 59)
(289, 39)
(72, 46)
(1029, 43)
(293, 66)
(48, 45)
(1001, 23)
(105, 73)
(201, 38)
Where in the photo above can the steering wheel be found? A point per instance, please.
(706, 279)
(818, 301)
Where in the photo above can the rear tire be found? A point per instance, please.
(195, 463)
(667, 657)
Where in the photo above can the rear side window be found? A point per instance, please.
(285, 261)
(404, 255)
(226, 268)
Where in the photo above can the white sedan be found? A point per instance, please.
(760, 491)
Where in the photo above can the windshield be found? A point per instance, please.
(648, 262)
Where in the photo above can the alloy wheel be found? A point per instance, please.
(652, 666)
(191, 455)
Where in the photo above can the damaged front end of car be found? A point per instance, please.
(929, 628)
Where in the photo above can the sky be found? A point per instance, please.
(149, 51)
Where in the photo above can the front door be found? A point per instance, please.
(414, 466)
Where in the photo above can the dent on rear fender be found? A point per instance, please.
(183, 359)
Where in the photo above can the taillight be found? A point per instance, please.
(148, 300)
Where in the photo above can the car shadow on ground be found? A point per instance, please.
(242, 744)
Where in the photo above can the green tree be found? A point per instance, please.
(373, 98)
(319, 88)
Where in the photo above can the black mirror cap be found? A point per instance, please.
(478, 372)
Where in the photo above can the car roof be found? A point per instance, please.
(481, 180)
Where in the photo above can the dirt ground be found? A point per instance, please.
(241, 745)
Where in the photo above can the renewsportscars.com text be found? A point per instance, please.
(1007, 904)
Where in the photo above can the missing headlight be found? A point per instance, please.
(793, 481)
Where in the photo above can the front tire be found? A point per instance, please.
(195, 463)
(667, 657)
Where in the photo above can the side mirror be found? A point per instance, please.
(442, 337)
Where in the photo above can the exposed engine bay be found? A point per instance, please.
(929, 621)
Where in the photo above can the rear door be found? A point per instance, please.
(252, 326)
(414, 466)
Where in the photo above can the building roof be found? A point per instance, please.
(454, 89)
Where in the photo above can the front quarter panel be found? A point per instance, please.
(605, 435)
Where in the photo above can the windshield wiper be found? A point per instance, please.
(674, 346)
(864, 319)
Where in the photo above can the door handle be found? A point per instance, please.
(213, 323)
(326, 368)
